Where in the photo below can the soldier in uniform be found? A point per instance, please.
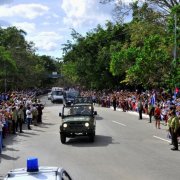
(20, 118)
(34, 114)
(14, 119)
(174, 130)
(40, 107)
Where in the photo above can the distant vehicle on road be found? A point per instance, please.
(57, 95)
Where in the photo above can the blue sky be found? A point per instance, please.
(48, 23)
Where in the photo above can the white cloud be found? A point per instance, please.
(29, 11)
(80, 12)
(27, 27)
(47, 41)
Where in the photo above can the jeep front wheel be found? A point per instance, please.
(91, 137)
(63, 138)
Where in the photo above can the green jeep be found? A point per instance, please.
(77, 120)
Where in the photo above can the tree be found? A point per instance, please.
(153, 60)
(8, 66)
(174, 38)
(88, 60)
(31, 70)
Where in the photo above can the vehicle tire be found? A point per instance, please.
(63, 138)
(92, 137)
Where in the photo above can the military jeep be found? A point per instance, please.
(77, 120)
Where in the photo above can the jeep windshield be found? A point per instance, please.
(77, 111)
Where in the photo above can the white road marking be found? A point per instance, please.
(119, 123)
(161, 139)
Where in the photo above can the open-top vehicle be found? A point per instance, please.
(77, 120)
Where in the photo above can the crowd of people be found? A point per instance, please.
(161, 106)
(16, 109)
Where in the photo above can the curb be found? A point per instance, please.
(131, 112)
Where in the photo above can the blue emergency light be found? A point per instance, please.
(32, 164)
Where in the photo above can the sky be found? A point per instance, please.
(49, 23)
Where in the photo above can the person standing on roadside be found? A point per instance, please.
(14, 119)
(170, 117)
(20, 119)
(28, 117)
(157, 116)
(174, 129)
(40, 107)
(1, 132)
(150, 112)
(114, 102)
(34, 114)
(140, 108)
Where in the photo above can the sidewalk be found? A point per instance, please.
(144, 116)
(131, 112)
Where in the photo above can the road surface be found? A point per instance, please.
(125, 148)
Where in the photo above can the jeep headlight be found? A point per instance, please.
(65, 125)
(87, 124)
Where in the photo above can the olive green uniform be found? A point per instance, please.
(174, 129)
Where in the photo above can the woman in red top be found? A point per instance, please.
(157, 116)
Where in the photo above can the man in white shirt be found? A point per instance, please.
(28, 117)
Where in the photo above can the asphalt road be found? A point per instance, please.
(125, 148)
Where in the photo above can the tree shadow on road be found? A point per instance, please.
(9, 149)
(6, 157)
(45, 125)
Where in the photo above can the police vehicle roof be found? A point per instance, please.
(42, 173)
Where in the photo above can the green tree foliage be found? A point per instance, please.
(135, 53)
(152, 63)
(141, 52)
(8, 65)
(174, 31)
(146, 60)
(22, 68)
(88, 59)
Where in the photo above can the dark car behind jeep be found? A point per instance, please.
(69, 96)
